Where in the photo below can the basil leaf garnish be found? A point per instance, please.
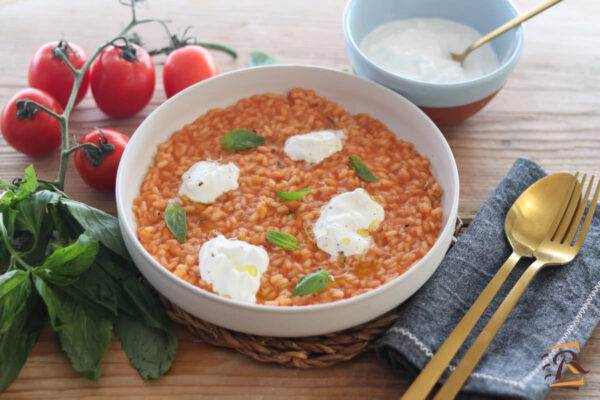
(258, 58)
(311, 283)
(176, 221)
(241, 139)
(283, 240)
(361, 169)
(293, 195)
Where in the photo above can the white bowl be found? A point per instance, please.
(356, 95)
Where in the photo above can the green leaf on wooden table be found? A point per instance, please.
(28, 185)
(176, 221)
(293, 195)
(150, 350)
(7, 186)
(241, 139)
(142, 325)
(11, 279)
(98, 289)
(100, 225)
(83, 336)
(258, 58)
(146, 305)
(16, 342)
(31, 216)
(283, 239)
(15, 289)
(361, 169)
(64, 265)
(311, 283)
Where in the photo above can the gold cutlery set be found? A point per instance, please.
(546, 223)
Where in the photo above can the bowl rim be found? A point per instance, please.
(128, 229)
(491, 76)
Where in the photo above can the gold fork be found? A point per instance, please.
(556, 249)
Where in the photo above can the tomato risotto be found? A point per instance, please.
(406, 189)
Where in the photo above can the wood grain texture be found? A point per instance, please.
(548, 111)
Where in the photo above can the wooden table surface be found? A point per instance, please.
(549, 111)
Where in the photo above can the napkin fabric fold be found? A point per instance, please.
(562, 305)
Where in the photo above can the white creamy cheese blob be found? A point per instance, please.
(207, 180)
(344, 223)
(314, 147)
(419, 48)
(233, 267)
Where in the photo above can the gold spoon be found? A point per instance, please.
(526, 224)
(499, 31)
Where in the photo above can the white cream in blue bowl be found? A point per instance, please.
(446, 102)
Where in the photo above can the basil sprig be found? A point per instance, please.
(283, 239)
(293, 195)
(258, 58)
(361, 169)
(176, 221)
(311, 283)
(67, 260)
(241, 139)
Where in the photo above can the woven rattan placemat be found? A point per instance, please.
(305, 352)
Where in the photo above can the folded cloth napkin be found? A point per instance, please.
(562, 305)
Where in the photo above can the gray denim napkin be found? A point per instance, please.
(562, 305)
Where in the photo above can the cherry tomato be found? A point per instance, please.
(49, 72)
(186, 66)
(103, 176)
(122, 80)
(31, 131)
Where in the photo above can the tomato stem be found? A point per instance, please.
(61, 51)
(27, 108)
(95, 153)
(78, 77)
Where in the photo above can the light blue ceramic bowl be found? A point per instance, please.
(445, 103)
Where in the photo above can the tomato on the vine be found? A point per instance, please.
(122, 80)
(187, 65)
(98, 167)
(47, 71)
(29, 129)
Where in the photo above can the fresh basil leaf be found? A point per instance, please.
(11, 279)
(293, 195)
(102, 226)
(64, 265)
(7, 186)
(150, 350)
(241, 139)
(258, 58)
(361, 169)
(33, 218)
(28, 185)
(61, 227)
(116, 267)
(97, 289)
(311, 283)
(146, 304)
(176, 222)
(83, 336)
(283, 239)
(15, 288)
(6, 200)
(17, 341)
